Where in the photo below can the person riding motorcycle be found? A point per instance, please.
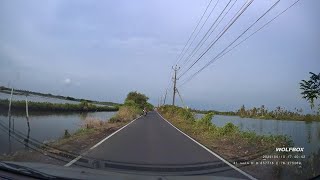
(144, 111)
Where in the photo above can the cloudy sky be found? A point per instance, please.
(101, 50)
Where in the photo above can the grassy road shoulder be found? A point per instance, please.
(228, 141)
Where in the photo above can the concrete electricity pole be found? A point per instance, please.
(174, 84)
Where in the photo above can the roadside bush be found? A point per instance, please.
(138, 98)
(228, 129)
(149, 107)
(177, 112)
(206, 119)
(132, 107)
(126, 113)
(130, 103)
(91, 123)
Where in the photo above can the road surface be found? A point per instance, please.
(150, 144)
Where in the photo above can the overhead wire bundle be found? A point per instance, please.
(234, 43)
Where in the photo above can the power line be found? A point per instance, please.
(178, 59)
(193, 31)
(231, 22)
(167, 92)
(205, 37)
(194, 38)
(192, 76)
(167, 89)
(184, 105)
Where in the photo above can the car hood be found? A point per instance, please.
(86, 173)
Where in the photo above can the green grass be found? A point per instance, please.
(221, 138)
(54, 107)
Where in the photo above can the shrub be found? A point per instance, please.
(229, 128)
(177, 112)
(91, 123)
(66, 133)
(138, 98)
(206, 120)
(126, 113)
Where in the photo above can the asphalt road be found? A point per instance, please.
(152, 144)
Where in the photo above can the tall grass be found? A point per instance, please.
(126, 113)
(92, 123)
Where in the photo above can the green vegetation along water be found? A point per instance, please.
(38, 97)
(232, 136)
(54, 107)
(211, 135)
(133, 106)
(279, 113)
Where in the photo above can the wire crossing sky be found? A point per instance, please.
(222, 53)
(102, 50)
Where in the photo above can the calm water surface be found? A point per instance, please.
(43, 127)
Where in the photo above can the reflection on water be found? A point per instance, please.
(83, 116)
(41, 127)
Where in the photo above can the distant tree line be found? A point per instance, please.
(84, 106)
(227, 113)
(26, 92)
(278, 113)
(310, 91)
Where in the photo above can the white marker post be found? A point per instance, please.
(9, 111)
(27, 111)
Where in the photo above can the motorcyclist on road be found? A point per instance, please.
(144, 111)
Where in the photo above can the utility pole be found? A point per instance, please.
(174, 83)
(165, 97)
